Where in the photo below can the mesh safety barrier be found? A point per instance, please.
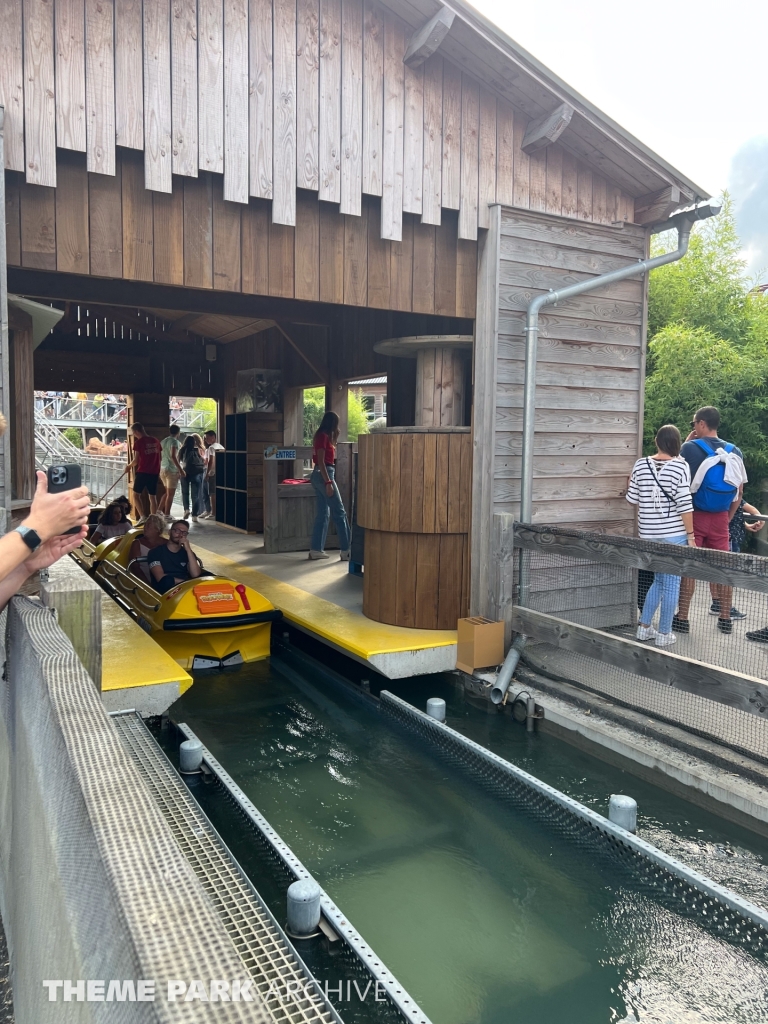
(93, 886)
(645, 868)
(713, 680)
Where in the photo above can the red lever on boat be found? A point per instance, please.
(241, 591)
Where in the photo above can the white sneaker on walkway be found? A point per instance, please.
(195, 519)
(344, 555)
(665, 639)
(645, 633)
(318, 554)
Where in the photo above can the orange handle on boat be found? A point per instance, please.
(241, 591)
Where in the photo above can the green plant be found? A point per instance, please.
(314, 408)
(74, 436)
(210, 408)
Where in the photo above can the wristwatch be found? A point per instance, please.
(30, 538)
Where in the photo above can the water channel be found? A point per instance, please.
(484, 914)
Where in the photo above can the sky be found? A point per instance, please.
(686, 77)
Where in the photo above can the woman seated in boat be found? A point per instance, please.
(174, 562)
(144, 544)
(113, 522)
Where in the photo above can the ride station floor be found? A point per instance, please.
(323, 599)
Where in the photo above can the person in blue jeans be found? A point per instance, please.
(329, 501)
(660, 487)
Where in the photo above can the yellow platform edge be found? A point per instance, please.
(131, 657)
(349, 630)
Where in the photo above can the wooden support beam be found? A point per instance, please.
(710, 681)
(320, 375)
(547, 129)
(657, 206)
(428, 38)
(732, 570)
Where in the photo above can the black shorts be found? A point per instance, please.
(146, 480)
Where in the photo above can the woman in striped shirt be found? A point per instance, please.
(660, 486)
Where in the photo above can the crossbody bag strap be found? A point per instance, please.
(672, 501)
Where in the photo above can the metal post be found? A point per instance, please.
(5, 392)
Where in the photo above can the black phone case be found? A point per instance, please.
(74, 479)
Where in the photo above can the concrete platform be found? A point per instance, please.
(324, 600)
(136, 672)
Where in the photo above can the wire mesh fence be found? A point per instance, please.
(709, 674)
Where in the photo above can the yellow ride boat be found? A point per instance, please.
(208, 622)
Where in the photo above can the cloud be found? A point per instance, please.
(749, 188)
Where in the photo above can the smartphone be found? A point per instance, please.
(64, 478)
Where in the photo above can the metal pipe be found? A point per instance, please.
(504, 678)
(683, 222)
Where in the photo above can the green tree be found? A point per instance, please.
(210, 409)
(357, 423)
(709, 343)
(74, 436)
(314, 408)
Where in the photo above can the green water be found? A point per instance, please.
(486, 916)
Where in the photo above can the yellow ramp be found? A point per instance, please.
(394, 651)
(136, 672)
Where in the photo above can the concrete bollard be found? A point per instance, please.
(303, 908)
(190, 756)
(622, 810)
(436, 708)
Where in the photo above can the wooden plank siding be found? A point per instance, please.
(589, 369)
(280, 95)
(114, 227)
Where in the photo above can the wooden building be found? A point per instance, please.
(207, 186)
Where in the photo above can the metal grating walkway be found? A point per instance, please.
(266, 953)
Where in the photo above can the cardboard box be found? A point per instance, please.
(480, 643)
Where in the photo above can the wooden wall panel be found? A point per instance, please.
(394, 111)
(12, 212)
(254, 227)
(100, 86)
(451, 189)
(38, 226)
(522, 166)
(106, 223)
(378, 260)
(168, 221)
(423, 268)
(284, 156)
(307, 93)
(72, 240)
(487, 159)
(554, 195)
(351, 107)
(261, 98)
(373, 98)
(332, 249)
(505, 154)
(401, 268)
(413, 140)
(210, 78)
(70, 74)
(282, 257)
(445, 265)
(432, 196)
(307, 247)
(129, 75)
(236, 182)
(12, 84)
(198, 232)
(470, 130)
(39, 101)
(329, 132)
(226, 243)
(184, 87)
(138, 238)
(355, 259)
(158, 156)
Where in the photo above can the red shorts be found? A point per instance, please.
(711, 530)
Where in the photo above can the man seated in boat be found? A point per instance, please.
(174, 562)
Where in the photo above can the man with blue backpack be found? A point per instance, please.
(717, 480)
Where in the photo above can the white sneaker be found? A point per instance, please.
(186, 515)
(344, 555)
(665, 639)
(318, 554)
(195, 519)
(645, 633)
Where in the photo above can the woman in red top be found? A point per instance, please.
(329, 501)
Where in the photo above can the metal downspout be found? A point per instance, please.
(683, 222)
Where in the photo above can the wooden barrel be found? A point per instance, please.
(414, 493)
